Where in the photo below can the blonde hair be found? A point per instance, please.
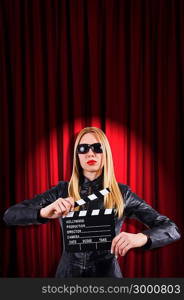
(114, 198)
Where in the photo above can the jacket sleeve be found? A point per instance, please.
(27, 212)
(161, 230)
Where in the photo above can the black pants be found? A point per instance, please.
(103, 268)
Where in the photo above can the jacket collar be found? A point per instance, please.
(96, 184)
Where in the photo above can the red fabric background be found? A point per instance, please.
(117, 65)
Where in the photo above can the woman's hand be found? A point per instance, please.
(124, 241)
(58, 208)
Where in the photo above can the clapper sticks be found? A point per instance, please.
(87, 230)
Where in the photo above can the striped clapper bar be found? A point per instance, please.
(87, 230)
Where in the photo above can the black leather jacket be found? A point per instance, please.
(101, 263)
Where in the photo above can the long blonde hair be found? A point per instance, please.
(114, 198)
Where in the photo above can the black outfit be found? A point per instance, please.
(100, 263)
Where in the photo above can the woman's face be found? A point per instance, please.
(90, 161)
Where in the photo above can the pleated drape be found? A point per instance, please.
(117, 65)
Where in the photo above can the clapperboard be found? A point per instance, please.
(87, 230)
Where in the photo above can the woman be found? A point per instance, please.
(92, 171)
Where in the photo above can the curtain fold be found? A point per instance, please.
(65, 65)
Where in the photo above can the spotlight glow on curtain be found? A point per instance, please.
(65, 65)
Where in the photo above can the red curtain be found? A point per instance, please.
(117, 65)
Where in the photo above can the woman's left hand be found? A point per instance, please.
(124, 241)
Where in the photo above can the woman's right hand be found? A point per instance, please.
(58, 208)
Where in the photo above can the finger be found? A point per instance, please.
(61, 209)
(66, 211)
(125, 250)
(122, 247)
(68, 206)
(120, 243)
(71, 202)
(120, 239)
(114, 241)
(56, 212)
(70, 199)
(66, 203)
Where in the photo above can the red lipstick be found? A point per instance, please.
(91, 162)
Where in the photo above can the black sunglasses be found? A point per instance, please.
(84, 148)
